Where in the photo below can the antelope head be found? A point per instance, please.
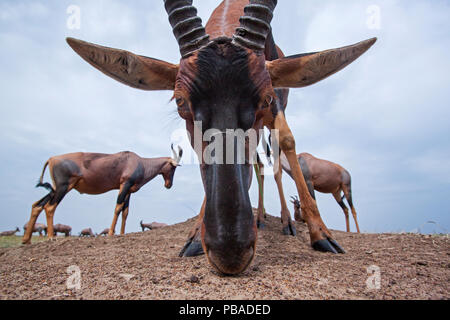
(224, 83)
(168, 171)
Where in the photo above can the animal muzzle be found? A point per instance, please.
(230, 261)
(168, 184)
(229, 229)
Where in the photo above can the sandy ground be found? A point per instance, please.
(147, 266)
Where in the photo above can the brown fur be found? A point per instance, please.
(37, 227)
(326, 177)
(61, 228)
(9, 233)
(96, 173)
(152, 226)
(104, 232)
(87, 233)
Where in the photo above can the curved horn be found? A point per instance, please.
(180, 152)
(187, 26)
(177, 157)
(255, 24)
(173, 152)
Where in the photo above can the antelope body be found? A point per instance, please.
(87, 233)
(325, 177)
(231, 76)
(96, 173)
(38, 227)
(104, 232)
(9, 233)
(61, 228)
(151, 226)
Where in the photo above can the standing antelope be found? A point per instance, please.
(38, 227)
(231, 76)
(326, 177)
(95, 173)
(61, 228)
(87, 233)
(9, 233)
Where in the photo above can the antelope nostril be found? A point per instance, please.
(231, 263)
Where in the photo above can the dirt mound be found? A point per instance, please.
(147, 266)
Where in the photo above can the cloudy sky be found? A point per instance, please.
(385, 118)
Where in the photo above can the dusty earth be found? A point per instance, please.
(147, 266)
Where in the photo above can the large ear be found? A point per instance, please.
(135, 71)
(306, 69)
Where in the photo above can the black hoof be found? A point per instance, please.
(337, 246)
(328, 245)
(261, 225)
(192, 249)
(290, 230)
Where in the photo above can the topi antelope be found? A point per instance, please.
(9, 233)
(87, 233)
(326, 177)
(38, 227)
(152, 226)
(61, 228)
(231, 76)
(104, 233)
(95, 173)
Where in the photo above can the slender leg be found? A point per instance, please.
(340, 201)
(259, 168)
(288, 226)
(193, 246)
(348, 195)
(36, 210)
(117, 211)
(124, 190)
(321, 238)
(50, 213)
(125, 214)
(50, 207)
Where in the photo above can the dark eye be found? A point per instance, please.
(180, 102)
(267, 102)
(183, 108)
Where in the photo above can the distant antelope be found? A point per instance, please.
(104, 232)
(38, 227)
(61, 228)
(95, 173)
(146, 226)
(153, 225)
(87, 233)
(9, 233)
(326, 177)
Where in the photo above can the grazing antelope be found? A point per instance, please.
(61, 228)
(95, 173)
(146, 226)
(231, 76)
(153, 225)
(38, 227)
(87, 233)
(104, 232)
(9, 233)
(326, 177)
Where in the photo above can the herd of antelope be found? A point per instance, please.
(231, 75)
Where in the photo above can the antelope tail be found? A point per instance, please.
(46, 185)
